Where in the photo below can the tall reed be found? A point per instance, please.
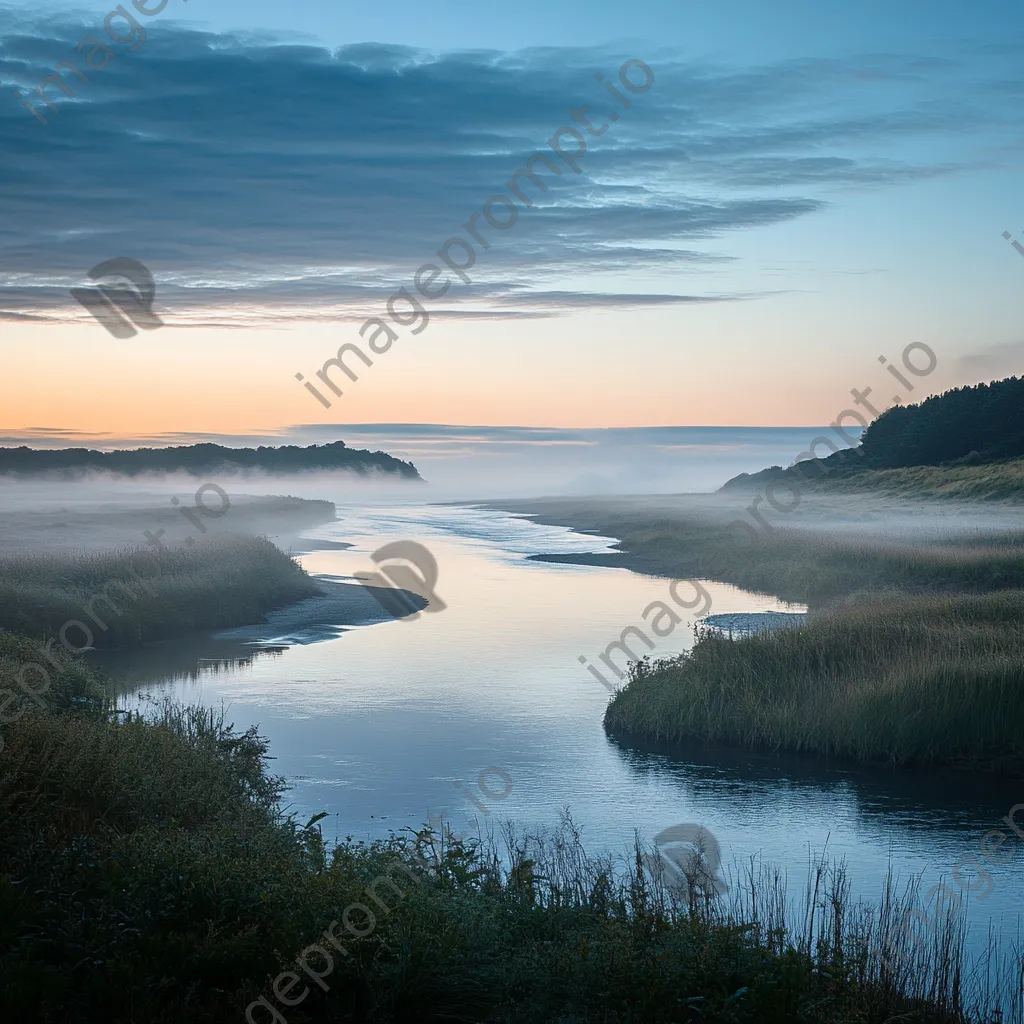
(147, 872)
(141, 594)
(924, 679)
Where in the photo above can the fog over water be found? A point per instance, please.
(646, 468)
(480, 461)
(379, 723)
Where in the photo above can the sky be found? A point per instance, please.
(785, 193)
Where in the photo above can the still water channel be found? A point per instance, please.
(375, 724)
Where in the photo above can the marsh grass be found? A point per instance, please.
(990, 481)
(818, 566)
(147, 873)
(217, 583)
(75, 688)
(923, 679)
(911, 652)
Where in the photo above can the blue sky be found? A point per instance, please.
(802, 188)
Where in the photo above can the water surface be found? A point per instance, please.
(379, 725)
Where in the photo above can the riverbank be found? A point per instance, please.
(922, 680)
(71, 577)
(93, 599)
(139, 595)
(830, 549)
(910, 655)
(148, 872)
(336, 605)
(45, 517)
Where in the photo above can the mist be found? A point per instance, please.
(675, 471)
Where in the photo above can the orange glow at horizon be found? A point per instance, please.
(593, 369)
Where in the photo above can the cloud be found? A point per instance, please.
(258, 176)
(7, 314)
(996, 360)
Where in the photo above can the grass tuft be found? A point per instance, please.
(147, 872)
(924, 679)
(138, 595)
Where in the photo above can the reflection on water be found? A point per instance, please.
(388, 725)
(184, 659)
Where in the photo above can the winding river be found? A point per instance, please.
(483, 712)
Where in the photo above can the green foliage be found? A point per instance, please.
(973, 433)
(141, 594)
(924, 679)
(147, 874)
(69, 684)
(983, 421)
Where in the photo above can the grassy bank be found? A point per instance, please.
(137, 595)
(911, 654)
(1001, 481)
(912, 680)
(819, 563)
(816, 568)
(148, 874)
(994, 481)
(43, 518)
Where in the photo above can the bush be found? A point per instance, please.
(148, 874)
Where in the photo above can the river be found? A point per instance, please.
(483, 713)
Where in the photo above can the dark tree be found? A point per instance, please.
(202, 460)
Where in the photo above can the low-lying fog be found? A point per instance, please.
(639, 469)
(497, 462)
(102, 512)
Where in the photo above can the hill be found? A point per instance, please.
(975, 434)
(202, 460)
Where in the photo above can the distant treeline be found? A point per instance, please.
(981, 423)
(202, 460)
(964, 426)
